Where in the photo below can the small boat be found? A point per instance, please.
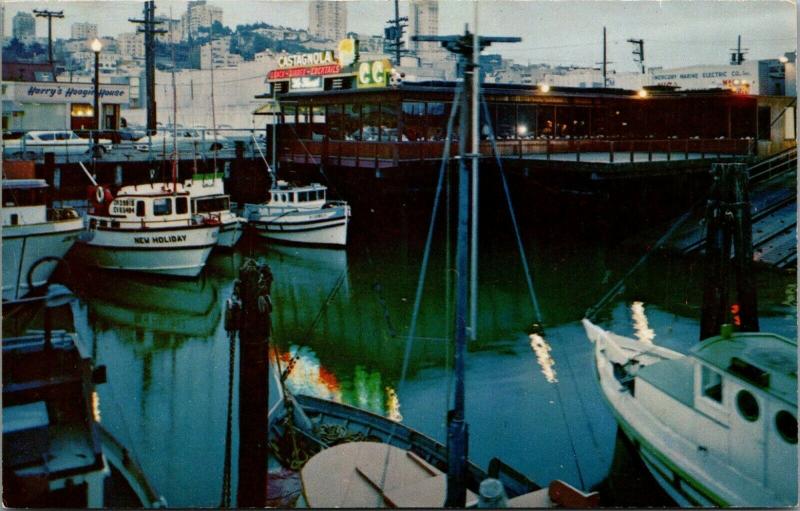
(35, 237)
(300, 214)
(55, 452)
(209, 200)
(717, 426)
(147, 228)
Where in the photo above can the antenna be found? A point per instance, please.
(149, 31)
(44, 13)
(638, 54)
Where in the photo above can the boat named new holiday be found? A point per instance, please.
(147, 228)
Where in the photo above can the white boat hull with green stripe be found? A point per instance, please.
(716, 427)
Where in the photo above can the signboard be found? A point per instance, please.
(373, 74)
(46, 92)
(297, 72)
(319, 58)
(306, 83)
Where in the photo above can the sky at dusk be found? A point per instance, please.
(676, 33)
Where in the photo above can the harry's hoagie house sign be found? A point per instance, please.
(316, 71)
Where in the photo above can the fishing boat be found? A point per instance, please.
(35, 237)
(147, 228)
(209, 200)
(300, 214)
(717, 426)
(361, 459)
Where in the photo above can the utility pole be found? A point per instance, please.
(394, 33)
(737, 57)
(149, 31)
(605, 60)
(44, 13)
(638, 54)
(465, 46)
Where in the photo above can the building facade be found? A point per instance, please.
(131, 45)
(23, 27)
(327, 19)
(173, 27)
(83, 31)
(198, 15)
(423, 19)
(220, 51)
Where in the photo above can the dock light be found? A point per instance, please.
(544, 87)
(736, 82)
(96, 45)
(522, 129)
(642, 93)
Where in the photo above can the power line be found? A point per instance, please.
(44, 13)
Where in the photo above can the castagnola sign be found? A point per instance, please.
(41, 92)
(319, 58)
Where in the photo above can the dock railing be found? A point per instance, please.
(350, 153)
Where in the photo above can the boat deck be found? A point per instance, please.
(674, 377)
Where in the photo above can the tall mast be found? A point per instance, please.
(475, 150)
(174, 123)
(467, 47)
(213, 109)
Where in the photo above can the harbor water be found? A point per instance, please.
(346, 315)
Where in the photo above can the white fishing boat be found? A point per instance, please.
(147, 228)
(717, 426)
(209, 200)
(35, 237)
(300, 214)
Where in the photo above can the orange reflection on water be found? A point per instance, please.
(392, 405)
(643, 331)
(542, 350)
(308, 376)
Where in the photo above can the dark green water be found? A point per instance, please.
(347, 313)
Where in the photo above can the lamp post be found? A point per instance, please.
(96, 47)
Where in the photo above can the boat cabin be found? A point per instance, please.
(309, 197)
(24, 201)
(140, 205)
(735, 397)
(208, 194)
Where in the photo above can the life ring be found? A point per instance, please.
(99, 195)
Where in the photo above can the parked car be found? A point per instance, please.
(35, 143)
(187, 139)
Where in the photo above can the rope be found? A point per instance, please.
(537, 311)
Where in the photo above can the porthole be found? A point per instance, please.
(747, 405)
(786, 424)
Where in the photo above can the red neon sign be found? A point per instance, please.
(298, 72)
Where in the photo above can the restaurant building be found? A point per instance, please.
(32, 100)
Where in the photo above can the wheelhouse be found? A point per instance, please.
(311, 196)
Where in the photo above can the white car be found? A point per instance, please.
(187, 139)
(35, 143)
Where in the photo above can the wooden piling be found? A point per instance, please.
(255, 328)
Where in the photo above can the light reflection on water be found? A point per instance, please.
(345, 314)
(644, 333)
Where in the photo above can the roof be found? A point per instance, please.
(747, 355)
(24, 184)
(25, 71)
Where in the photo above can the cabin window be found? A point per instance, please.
(103, 223)
(139, 208)
(14, 219)
(712, 384)
(291, 197)
(213, 205)
(181, 205)
(302, 196)
(162, 207)
(747, 405)
(764, 122)
(786, 424)
(115, 224)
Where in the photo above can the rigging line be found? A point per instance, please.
(526, 268)
(424, 267)
(314, 159)
(592, 311)
(213, 110)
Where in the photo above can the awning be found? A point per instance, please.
(12, 106)
(269, 108)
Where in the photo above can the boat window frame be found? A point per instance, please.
(783, 434)
(181, 205)
(140, 208)
(706, 385)
(157, 203)
(745, 399)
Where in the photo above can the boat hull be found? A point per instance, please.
(230, 233)
(326, 226)
(181, 252)
(24, 245)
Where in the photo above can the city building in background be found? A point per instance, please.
(423, 19)
(23, 27)
(131, 45)
(327, 20)
(199, 15)
(83, 31)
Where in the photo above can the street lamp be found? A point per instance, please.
(96, 47)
